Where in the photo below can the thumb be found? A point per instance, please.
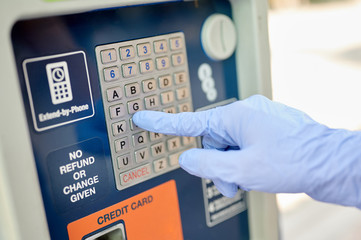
(213, 164)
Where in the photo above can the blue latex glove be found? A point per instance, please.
(257, 144)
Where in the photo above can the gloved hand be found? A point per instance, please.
(257, 144)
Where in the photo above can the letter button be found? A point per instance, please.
(180, 78)
(151, 102)
(121, 144)
(188, 140)
(133, 127)
(119, 128)
(139, 139)
(141, 155)
(117, 111)
(160, 165)
(165, 81)
(132, 90)
(124, 161)
(134, 106)
(173, 143)
(170, 110)
(174, 159)
(182, 93)
(149, 85)
(114, 94)
(167, 97)
(155, 136)
(157, 149)
(185, 107)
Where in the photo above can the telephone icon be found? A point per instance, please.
(59, 82)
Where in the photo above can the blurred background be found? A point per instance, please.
(316, 67)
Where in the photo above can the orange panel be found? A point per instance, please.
(153, 214)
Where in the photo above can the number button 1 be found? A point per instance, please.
(108, 56)
(144, 49)
(127, 52)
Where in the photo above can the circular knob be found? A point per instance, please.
(219, 37)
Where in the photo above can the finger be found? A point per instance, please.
(227, 189)
(212, 164)
(182, 124)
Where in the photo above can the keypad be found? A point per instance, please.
(151, 74)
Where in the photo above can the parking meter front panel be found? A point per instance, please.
(82, 78)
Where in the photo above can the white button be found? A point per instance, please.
(157, 149)
(160, 164)
(176, 43)
(165, 81)
(219, 37)
(146, 66)
(162, 63)
(149, 85)
(144, 49)
(182, 93)
(141, 155)
(117, 111)
(173, 144)
(139, 139)
(127, 52)
(167, 97)
(174, 159)
(132, 125)
(129, 70)
(134, 106)
(119, 128)
(180, 78)
(108, 56)
(188, 140)
(178, 59)
(170, 110)
(155, 136)
(151, 102)
(184, 107)
(160, 46)
(135, 175)
(132, 90)
(121, 144)
(124, 161)
(111, 74)
(114, 94)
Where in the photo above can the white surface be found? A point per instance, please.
(316, 67)
(219, 37)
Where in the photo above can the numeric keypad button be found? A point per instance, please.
(129, 70)
(111, 74)
(127, 52)
(108, 56)
(144, 49)
(160, 46)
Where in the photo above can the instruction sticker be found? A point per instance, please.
(78, 174)
(153, 214)
(59, 89)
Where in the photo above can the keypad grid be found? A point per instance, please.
(148, 73)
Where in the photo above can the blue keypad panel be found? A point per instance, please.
(152, 74)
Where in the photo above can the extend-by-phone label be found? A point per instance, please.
(59, 89)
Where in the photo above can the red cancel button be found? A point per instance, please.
(135, 175)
